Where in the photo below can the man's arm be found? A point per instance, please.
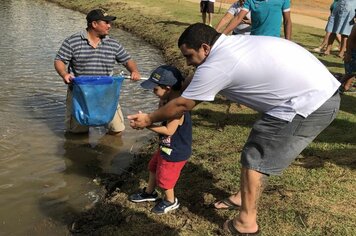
(61, 69)
(287, 25)
(235, 22)
(172, 110)
(132, 67)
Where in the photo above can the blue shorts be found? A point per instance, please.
(350, 67)
(273, 144)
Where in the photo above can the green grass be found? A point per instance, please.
(314, 196)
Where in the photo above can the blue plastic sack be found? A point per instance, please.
(95, 99)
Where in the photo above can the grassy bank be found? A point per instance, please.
(315, 196)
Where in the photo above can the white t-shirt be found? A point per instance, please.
(268, 74)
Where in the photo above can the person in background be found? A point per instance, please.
(266, 17)
(244, 27)
(340, 22)
(349, 62)
(92, 52)
(207, 9)
(175, 142)
(295, 104)
(323, 45)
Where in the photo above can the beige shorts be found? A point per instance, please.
(72, 125)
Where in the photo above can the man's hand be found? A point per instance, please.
(132, 67)
(135, 75)
(139, 120)
(68, 78)
(62, 71)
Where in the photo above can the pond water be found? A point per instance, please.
(45, 174)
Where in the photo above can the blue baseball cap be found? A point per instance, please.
(163, 75)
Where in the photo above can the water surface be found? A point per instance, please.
(44, 174)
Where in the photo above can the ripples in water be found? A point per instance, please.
(46, 175)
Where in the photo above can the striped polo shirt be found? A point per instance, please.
(83, 59)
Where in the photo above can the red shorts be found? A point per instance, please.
(167, 172)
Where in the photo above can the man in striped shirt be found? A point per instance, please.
(92, 52)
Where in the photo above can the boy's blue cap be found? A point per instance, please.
(163, 75)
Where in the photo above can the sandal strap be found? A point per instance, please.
(229, 203)
(235, 232)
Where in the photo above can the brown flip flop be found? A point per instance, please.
(230, 228)
(227, 202)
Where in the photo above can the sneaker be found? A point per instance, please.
(143, 196)
(164, 206)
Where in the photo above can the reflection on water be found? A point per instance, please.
(47, 176)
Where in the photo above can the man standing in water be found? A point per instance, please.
(263, 73)
(92, 52)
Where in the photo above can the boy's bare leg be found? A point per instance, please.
(252, 185)
(169, 195)
(151, 182)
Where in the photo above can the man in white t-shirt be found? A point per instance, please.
(295, 93)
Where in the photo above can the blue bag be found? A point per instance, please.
(95, 99)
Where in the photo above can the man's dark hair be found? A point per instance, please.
(89, 25)
(197, 34)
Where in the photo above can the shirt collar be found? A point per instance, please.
(84, 35)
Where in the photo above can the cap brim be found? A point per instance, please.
(109, 18)
(148, 84)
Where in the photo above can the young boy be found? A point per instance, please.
(175, 139)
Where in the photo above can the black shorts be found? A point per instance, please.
(206, 7)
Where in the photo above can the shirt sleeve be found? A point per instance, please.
(286, 6)
(206, 83)
(121, 56)
(65, 52)
(233, 10)
(247, 5)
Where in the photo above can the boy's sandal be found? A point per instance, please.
(228, 203)
(230, 228)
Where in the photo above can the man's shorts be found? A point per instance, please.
(350, 67)
(167, 172)
(274, 143)
(72, 125)
(206, 7)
